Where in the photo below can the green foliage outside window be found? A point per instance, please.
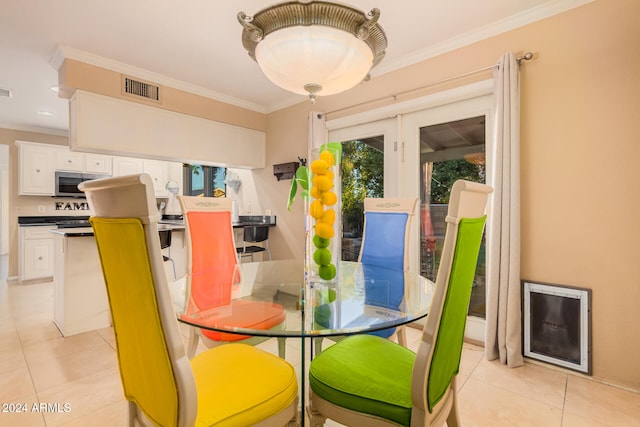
(362, 176)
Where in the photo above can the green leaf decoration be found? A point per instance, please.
(301, 180)
(292, 193)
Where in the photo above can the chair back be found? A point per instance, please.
(438, 357)
(212, 262)
(385, 238)
(155, 372)
(256, 234)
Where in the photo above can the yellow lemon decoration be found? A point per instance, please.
(322, 182)
(329, 198)
(319, 167)
(316, 209)
(329, 217)
(328, 158)
(323, 230)
(323, 198)
(315, 193)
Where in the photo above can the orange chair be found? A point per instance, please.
(212, 272)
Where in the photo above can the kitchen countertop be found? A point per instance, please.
(88, 231)
(51, 220)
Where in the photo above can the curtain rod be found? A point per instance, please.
(526, 57)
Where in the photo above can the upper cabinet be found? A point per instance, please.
(70, 161)
(39, 162)
(98, 163)
(37, 165)
(126, 166)
(161, 172)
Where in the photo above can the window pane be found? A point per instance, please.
(217, 181)
(197, 181)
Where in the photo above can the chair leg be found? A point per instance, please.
(282, 345)
(132, 413)
(192, 344)
(453, 419)
(175, 276)
(316, 419)
(402, 336)
(317, 346)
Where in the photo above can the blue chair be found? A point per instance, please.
(385, 243)
(366, 380)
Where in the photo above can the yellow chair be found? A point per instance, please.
(228, 386)
(365, 380)
(212, 272)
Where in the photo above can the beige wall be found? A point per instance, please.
(579, 147)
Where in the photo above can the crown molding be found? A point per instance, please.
(35, 129)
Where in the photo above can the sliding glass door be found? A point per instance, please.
(447, 143)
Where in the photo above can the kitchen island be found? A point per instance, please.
(80, 297)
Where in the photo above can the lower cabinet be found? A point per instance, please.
(36, 252)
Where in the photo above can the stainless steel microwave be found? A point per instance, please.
(66, 183)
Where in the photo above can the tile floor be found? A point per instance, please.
(75, 381)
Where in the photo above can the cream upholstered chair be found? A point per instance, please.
(366, 380)
(213, 270)
(385, 243)
(231, 385)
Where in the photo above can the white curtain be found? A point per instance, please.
(503, 324)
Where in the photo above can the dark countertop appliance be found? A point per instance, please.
(66, 183)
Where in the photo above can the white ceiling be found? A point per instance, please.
(195, 45)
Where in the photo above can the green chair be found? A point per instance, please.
(230, 385)
(366, 380)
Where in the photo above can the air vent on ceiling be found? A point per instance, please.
(139, 88)
(6, 92)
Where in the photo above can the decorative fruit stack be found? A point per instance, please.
(322, 209)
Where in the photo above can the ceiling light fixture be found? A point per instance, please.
(314, 47)
(45, 113)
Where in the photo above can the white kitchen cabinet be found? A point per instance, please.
(36, 169)
(158, 170)
(98, 163)
(72, 161)
(69, 161)
(126, 166)
(36, 252)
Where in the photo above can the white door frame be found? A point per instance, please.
(454, 104)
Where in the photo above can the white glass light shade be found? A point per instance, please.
(297, 56)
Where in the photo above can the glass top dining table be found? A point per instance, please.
(365, 298)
